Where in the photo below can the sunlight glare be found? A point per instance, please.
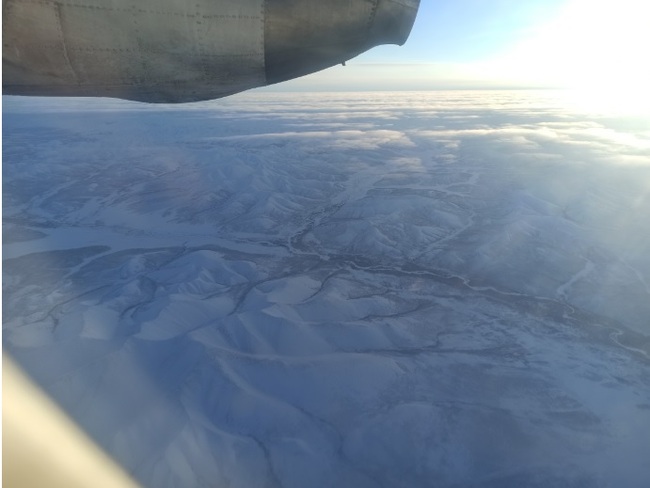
(598, 48)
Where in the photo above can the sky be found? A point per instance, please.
(587, 45)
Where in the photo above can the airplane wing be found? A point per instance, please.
(43, 446)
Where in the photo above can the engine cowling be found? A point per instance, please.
(179, 51)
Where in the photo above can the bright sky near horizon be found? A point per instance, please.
(597, 45)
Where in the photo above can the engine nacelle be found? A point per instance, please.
(180, 51)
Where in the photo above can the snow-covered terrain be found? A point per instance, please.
(436, 289)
